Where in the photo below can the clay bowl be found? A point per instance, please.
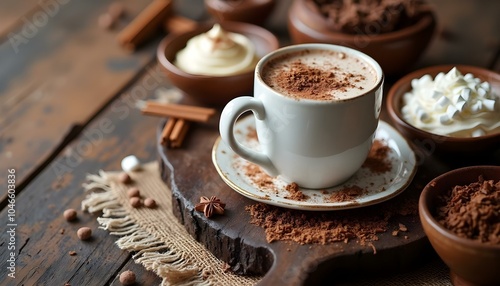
(443, 144)
(395, 51)
(213, 90)
(248, 11)
(470, 262)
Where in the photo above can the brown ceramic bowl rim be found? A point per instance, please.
(429, 218)
(428, 18)
(395, 112)
(238, 27)
(225, 3)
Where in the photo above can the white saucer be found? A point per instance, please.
(378, 187)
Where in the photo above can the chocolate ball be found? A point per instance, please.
(124, 178)
(70, 214)
(150, 203)
(133, 192)
(127, 277)
(84, 233)
(135, 202)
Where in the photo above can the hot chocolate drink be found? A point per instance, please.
(319, 75)
(316, 107)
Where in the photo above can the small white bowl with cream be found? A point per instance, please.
(450, 108)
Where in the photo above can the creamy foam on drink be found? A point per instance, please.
(319, 75)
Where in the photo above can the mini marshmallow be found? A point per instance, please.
(457, 98)
(444, 119)
(460, 105)
(439, 77)
(451, 111)
(478, 133)
(442, 103)
(476, 107)
(468, 76)
(425, 80)
(489, 104)
(436, 94)
(130, 163)
(472, 85)
(414, 83)
(422, 115)
(486, 86)
(481, 92)
(465, 94)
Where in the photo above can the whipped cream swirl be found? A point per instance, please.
(218, 53)
(452, 105)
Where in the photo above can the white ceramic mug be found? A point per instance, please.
(314, 143)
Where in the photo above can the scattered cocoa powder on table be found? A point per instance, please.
(473, 211)
(307, 227)
(328, 227)
(312, 227)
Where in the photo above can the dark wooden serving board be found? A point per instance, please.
(190, 173)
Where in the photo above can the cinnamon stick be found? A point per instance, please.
(191, 113)
(167, 130)
(182, 107)
(178, 133)
(145, 25)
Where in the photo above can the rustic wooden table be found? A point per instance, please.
(67, 105)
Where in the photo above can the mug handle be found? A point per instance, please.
(230, 114)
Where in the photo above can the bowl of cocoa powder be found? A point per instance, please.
(395, 33)
(460, 214)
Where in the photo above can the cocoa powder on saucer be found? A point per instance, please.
(259, 177)
(377, 160)
(307, 227)
(348, 193)
(295, 193)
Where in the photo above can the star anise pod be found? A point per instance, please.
(211, 205)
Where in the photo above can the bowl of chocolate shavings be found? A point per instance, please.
(460, 214)
(393, 32)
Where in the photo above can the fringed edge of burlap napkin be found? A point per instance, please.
(174, 256)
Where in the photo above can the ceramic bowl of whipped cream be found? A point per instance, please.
(451, 108)
(214, 63)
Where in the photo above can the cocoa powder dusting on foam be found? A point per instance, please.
(318, 75)
(315, 83)
(473, 211)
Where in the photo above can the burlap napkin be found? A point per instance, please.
(161, 244)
